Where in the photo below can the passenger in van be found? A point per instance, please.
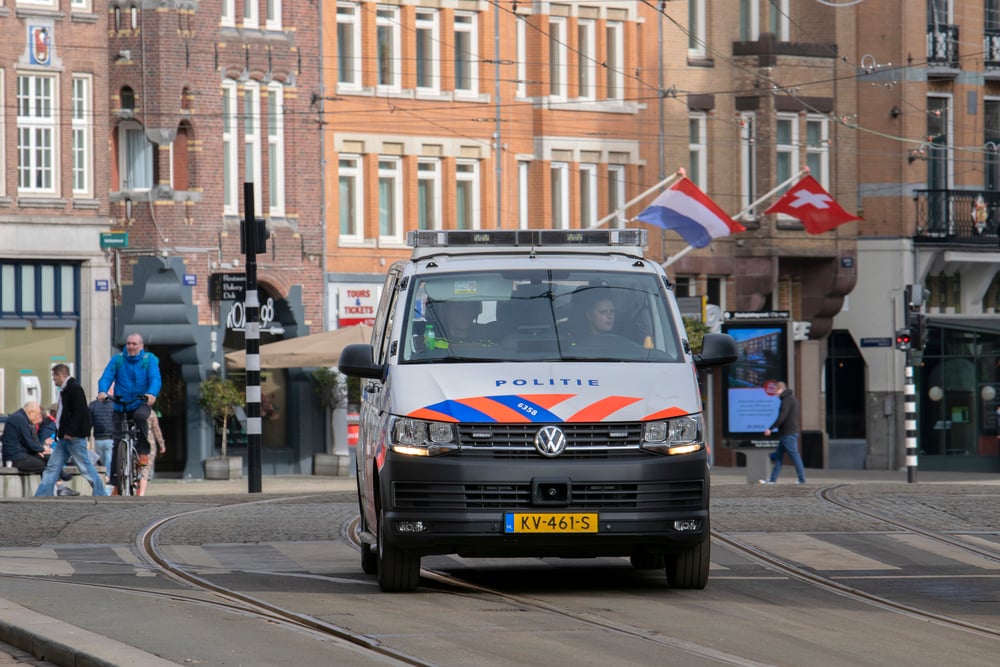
(594, 314)
(454, 322)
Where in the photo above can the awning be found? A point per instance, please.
(314, 350)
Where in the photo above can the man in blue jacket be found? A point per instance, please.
(135, 374)
(20, 439)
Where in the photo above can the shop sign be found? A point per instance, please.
(114, 239)
(237, 318)
(227, 286)
(357, 304)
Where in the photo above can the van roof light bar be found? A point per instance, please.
(526, 237)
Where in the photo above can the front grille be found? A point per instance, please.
(583, 441)
(642, 496)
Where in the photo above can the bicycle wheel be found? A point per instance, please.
(125, 468)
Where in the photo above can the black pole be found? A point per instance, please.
(910, 419)
(252, 338)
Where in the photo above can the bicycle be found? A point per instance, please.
(127, 471)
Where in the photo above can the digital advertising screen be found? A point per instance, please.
(751, 401)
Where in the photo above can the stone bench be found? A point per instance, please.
(79, 483)
(17, 484)
(758, 462)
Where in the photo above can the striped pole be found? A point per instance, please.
(252, 338)
(910, 420)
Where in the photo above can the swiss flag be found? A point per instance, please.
(810, 203)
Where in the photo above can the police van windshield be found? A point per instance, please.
(539, 315)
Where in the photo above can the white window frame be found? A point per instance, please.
(81, 6)
(428, 24)
(129, 132)
(230, 148)
(387, 27)
(37, 137)
(748, 159)
(698, 148)
(616, 194)
(349, 21)
(39, 3)
(588, 196)
(272, 16)
(559, 200)
(353, 172)
(586, 49)
(557, 58)
(696, 29)
(614, 86)
(467, 177)
(251, 14)
(228, 16)
(522, 58)
(820, 152)
(390, 171)
(790, 149)
(779, 23)
(523, 188)
(465, 23)
(82, 131)
(276, 149)
(252, 140)
(749, 20)
(429, 188)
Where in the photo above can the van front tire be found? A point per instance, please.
(689, 569)
(398, 570)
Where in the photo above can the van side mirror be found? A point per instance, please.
(356, 360)
(716, 350)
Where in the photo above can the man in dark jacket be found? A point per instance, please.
(20, 439)
(787, 426)
(102, 418)
(73, 417)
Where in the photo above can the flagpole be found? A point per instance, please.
(749, 207)
(624, 207)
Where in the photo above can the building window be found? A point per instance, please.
(428, 56)
(252, 141)
(390, 199)
(557, 58)
(786, 147)
(615, 58)
(616, 194)
(135, 155)
(80, 5)
(250, 17)
(559, 176)
(36, 128)
(698, 149)
(429, 194)
(818, 148)
(272, 18)
(467, 194)
(387, 37)
(696, 28)
(466, 79)
(228, 17)
(3, 123)
(348, 46)
(82, 107)
(230, 149)
(523, 189)
(991, 144)
(522, 59)
(276, 149)
(588, 196)
(586, 65)
(778, 19)
(350, 200)
(748, 160)
(749, 20)
(28, 290)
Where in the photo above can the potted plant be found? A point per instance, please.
(331, 390)
(220, 398)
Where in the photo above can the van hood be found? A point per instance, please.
(564, 392)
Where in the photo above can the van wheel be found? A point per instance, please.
(689, 569)
(398, 570)
(369, 559)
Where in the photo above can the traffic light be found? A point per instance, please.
(903, 339)
(914, 297)
(918, 331)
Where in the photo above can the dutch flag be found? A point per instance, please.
(688, 211)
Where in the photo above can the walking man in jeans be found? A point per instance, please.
(787, 426)
(73, 419)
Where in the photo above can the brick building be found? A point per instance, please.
(55, 277)
(204, 97)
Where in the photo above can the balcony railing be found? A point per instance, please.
(942, 46)
(991, 50)
(958, 216)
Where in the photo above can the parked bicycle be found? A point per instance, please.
(127, 471)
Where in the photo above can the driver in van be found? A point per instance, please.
(454, 322)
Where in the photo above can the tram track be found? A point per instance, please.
(832, 496)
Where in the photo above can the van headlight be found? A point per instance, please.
(681, 435)
(416, 437)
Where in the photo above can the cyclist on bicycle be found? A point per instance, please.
(135, 374)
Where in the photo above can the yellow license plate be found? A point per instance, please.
(549, 523)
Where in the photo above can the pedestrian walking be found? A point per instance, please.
(786, 424)
(102, 418)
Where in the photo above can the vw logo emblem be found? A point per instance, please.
(550, 441)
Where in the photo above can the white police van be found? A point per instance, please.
(532, 393)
